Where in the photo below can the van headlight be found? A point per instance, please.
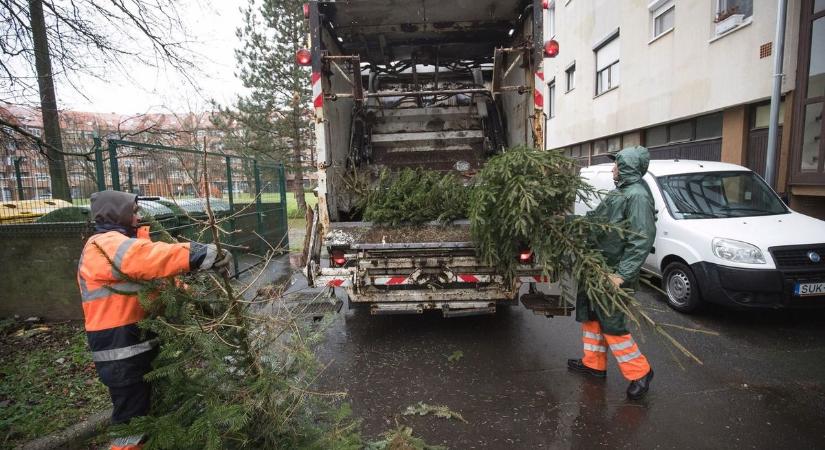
(737, 251)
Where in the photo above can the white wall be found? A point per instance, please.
(684, 73)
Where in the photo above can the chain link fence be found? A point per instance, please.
(247, 197)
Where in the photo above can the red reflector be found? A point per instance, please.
(551, 49)
(338, 259)
(306, 10)
(303, 57)
(525, 257)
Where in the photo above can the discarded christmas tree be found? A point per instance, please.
(413, 197)
(522, 199)
(234, 373)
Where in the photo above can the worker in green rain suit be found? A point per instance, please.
(631, 204)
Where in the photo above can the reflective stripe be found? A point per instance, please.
(117, 261)
(622, 345)
(595, 348)
(595, 336)
(128, 440)
(126, 287)
(629, 356)
(116, 354)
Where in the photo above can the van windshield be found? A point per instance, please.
(713, 195)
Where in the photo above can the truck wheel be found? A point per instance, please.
(681, 287)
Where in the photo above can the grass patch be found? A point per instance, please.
(292, 205)
(47, 380)
(296, 245)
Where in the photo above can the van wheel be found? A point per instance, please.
(681, 288)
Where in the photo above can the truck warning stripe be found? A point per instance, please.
(317, 93)
(390, 281)
(468, 278)
(334, 282)
(538, 96)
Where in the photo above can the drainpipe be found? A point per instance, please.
(773, 130)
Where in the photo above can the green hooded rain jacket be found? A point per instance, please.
(631, 202)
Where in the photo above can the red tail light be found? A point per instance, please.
(525, 256)
(337, 257)
(303, 57)
(551, 49)
(306, 10)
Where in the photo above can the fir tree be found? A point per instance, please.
(234, 373)
(523, 199)
(278, 110)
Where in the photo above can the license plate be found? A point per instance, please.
(809, 289)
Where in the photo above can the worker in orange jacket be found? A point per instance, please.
(114, 263)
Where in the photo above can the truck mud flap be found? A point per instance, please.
(547, 305)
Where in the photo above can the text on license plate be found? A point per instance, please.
(808, 289)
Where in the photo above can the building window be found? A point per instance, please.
(680, 132)
(663, 17)
(809, 139)
(570, 77)
(761, 115)
(730, 14)
(551, 20)
(607, 64)
(728, 8)
(614, 144)
(705, 127)
(709, 127)
(599, 147)
(551, 98)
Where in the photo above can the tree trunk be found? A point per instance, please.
(48, 104)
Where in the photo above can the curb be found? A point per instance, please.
(76, 432)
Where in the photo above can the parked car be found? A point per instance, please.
(724, 236)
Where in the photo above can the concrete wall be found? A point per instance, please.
(683, 73)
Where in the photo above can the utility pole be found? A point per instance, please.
(776, 96)
(48, 103)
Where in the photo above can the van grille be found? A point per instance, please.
(798, 256)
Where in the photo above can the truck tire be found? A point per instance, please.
(681, 288)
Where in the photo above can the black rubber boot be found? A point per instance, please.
(639, 388)
(576, 365)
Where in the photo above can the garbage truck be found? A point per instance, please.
(439, 85)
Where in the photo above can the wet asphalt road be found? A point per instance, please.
(762, 384)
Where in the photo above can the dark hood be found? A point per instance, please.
(113, 208)
(633, 163)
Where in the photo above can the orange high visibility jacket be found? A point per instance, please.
(112, 266)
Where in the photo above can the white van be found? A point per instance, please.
(724, 236)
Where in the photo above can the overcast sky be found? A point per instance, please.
(212, 24)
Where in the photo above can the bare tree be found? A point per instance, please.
(48, 39)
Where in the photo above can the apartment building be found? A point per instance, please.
(689, 79)
(31, 180)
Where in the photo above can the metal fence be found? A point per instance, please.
(248, 196)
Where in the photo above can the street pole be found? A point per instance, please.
(776, 96)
